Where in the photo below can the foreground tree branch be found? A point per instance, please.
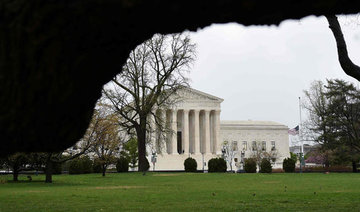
(346, 64)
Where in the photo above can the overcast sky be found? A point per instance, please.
(260, 71)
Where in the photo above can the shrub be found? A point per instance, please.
(86, 164)
(57, 168)
(80, 165)
(122, 165)
(265, 166)
(74, 167)
(97, 166)
(190, 165)
(65, 166)
(289, 165)
(217, 165)
(250, 165)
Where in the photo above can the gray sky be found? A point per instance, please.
(260, 71)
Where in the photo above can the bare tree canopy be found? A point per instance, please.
(153, 73)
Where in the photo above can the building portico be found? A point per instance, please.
(195, 125)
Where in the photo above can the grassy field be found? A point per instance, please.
(184, 192)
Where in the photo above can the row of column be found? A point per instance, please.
(199, 131)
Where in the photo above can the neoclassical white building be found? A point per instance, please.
(200, 134)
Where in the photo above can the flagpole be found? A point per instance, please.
(300, 137)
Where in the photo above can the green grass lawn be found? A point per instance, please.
(184, 192)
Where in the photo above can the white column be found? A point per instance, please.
(217, 142)
(196, 132)
(174, 132)
(185, 131)
(207, 132)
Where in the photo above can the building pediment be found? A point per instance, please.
(190, 95)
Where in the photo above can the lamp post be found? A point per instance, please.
(300, 138)
(153, 160)
(203, 163)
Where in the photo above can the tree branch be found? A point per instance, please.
(347, 65)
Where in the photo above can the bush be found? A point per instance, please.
(122, 165)
(75, 167)
(80, 165)
(97, 168)
(86, 164)
(265, 166)
(250, 165)
(65, 166)
(217, 165)
(190, 165)
(289, 165)
(57, 168)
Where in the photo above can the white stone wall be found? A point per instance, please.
(259, 131)
(204, 141)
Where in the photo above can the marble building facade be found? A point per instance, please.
(200, 133)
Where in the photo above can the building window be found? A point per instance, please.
(254, 146)
(234, 146)
(273, 146)
(236, 160)
(263, 146)
(244, 145)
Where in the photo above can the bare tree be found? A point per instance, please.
(106, 146)
(315, 104)
(154, 71)
(259, 152)
(229, 151)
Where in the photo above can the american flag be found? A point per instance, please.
(294, 131)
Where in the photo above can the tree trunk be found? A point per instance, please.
(141, 135)
(48, 170)
(103, 170)
(354, 168)
(15, 175)
(327, 165)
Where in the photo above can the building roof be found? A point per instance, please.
(252, 124)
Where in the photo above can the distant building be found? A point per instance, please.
(307, 148)
(272, 138)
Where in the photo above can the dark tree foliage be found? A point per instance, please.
(335, 118)
(82, 165)
(250, 165)
(130, 152)
(51, 46)
(97, 166)
(16, 162)
(190, 165)
(289, 165)
(217, 165)
(122, 165)
(265, 166)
